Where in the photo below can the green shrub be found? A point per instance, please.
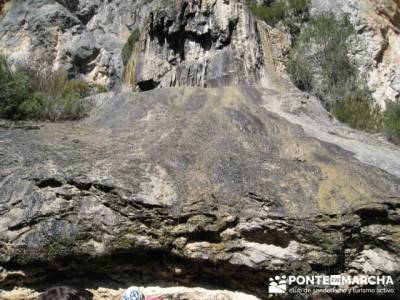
(291, 12)
(392, 121)
(62, 98)
(129, 45)
(359, 111)
(319, 62)
(79, 88)
(71, 108)
(15, 92)
(101, 89)
(39, 93)
(31, 108)
(270, 14)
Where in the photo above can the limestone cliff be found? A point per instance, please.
(202, 43)
(199, 43)
(83, 37)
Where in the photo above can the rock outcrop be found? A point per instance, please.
(219, 188)
(4, 6)
(184, 43)
(83, 37)
(196, 186)
(199, 43)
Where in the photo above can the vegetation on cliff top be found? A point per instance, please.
(41, 94)
(292, 13)
(127, 49)
(318, 61)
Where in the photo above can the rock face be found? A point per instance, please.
(195, 186)
(4, 5)
(221, 187)
(199, 43)
(184, 43)
(378, 50)
(83, 37)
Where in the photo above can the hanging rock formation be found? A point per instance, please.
(199, 43)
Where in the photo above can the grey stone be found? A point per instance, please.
(179, 178)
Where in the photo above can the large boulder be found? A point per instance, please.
(218, 187)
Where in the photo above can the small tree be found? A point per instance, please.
(319, 62)
(40, 93)
(15, 90)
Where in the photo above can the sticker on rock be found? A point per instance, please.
(133, 294)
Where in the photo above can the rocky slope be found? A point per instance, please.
(194, 186)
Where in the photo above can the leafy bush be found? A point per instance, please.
(319, 62)
(31, 108)
(61, 97)
(129, 45)
(291, 12)
(359, 111)
(392, 121)
(39, 93)
(101, 89)
(270, 14)
(15, 90)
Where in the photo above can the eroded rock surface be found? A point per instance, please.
(183, 43)
(199, 43)
(186, 43)
(83, 37)
(192, 186)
